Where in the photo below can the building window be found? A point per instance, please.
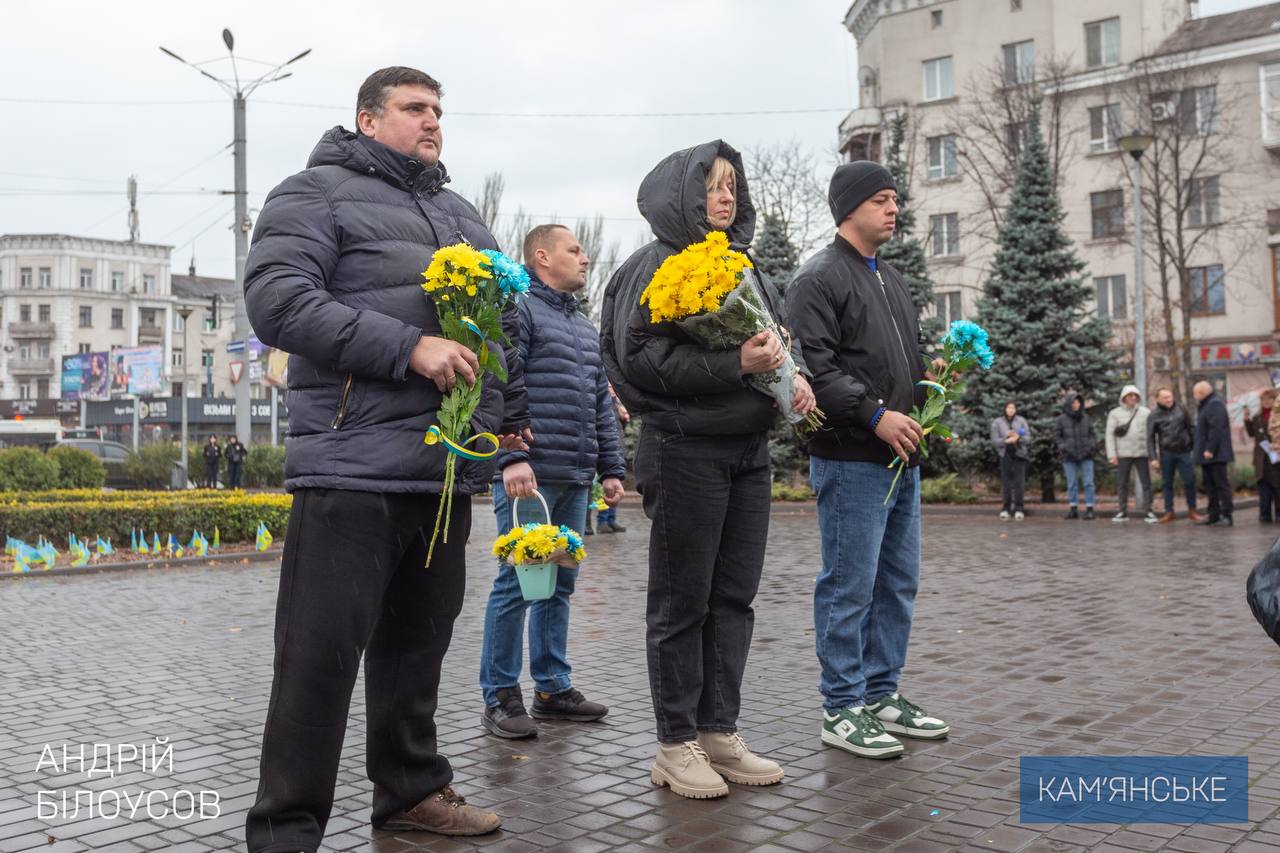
(46, 278)
(24, 278)
(1270, 89)
(24, 313)
(117, 282)
(176, 358)
(1015, 5)
(45, 314)
(86, 279)
(210, 320)
(84, 348)
(1108, 213)
(42, 389)
(86, 316)
(936, 17)
(1102, 42)
(939, 81)
(206, 358)
(1198, 110)
(117, 318)
(179, 323)
(24, 391)
(1111, 297)
(1019, 62)
(942, 156)
(147, 317)
(1015, 138)
(1202, 201)
(148, 284)
(1208, 290)
(944, 235)
(42, 350)
(948, 307)
(1104, 127)
(24, 352)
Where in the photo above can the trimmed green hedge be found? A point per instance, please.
(27, 468)
(78, 469)
(58, 514)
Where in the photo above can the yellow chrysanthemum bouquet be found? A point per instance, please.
(712, 292)
(470, 289)
(538, 550)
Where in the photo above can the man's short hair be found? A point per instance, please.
(374, 90)
(1163, 388)
(539, 237)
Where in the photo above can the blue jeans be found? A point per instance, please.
(1181, 463)
(502, 654)
(607, 516)
(866, 591)
(1076, 473)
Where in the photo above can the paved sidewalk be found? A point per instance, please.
(1041, 637)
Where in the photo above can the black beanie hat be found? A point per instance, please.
(853, 183)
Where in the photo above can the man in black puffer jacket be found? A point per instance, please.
(334, 278)
(1170, 438)
(1074, 435)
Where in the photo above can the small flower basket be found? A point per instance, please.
(537, 551)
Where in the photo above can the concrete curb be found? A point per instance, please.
(182, 562)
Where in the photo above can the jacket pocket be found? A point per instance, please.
(344, 401)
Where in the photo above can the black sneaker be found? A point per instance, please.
(569, 705)
(1088, 514)
(508, 718)
(1072, 513)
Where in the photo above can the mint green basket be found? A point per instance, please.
(537, 580)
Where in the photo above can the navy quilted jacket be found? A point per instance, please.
(335, 279)
(575, 430)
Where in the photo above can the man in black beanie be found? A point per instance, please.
(860, 334)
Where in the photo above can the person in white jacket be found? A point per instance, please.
(1126, 436)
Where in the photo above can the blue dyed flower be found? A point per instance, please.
(969, 340)
(574, 540)
(512, 278)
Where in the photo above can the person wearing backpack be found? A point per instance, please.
(1126, 436)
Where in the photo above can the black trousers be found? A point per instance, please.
(211, 475)
(1218, 488)
(235, 475)
(1143, 466)
(708, 498)
(353, 584)
(1013, 479)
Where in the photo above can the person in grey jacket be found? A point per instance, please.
(1126, 439)
(1011, 438)
(577, 439)
(334, 278)
(1213, 452)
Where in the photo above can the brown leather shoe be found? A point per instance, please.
(1193, 516)
(1166, 518)
(444, 813)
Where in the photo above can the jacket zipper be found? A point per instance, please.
(342, 404)
(901, 343)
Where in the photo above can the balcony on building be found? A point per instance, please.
(31, 366)
(33, 331)
(860, 134)
(150, 335)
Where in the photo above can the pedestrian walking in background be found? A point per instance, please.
(1213, 452)
(1011, 435)
(1170, 437)
(1074, 436)
(1126, 438)
(1266, 472)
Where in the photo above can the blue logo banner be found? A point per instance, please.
(1134, 789)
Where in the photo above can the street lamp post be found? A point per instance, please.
(184, 311)
(1134, 144)
(239, 93)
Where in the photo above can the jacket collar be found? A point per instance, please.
(841, 243)
(400, 169)
(566, 302)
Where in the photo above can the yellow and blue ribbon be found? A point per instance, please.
(436, 436)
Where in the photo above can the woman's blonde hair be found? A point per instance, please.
(721, 169)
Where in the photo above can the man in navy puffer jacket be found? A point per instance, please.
(576, 439)
(334, 278)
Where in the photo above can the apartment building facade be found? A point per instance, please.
(1207, 89)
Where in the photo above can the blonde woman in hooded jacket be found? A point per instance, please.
(1126, 437)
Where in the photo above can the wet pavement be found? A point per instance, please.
(1044, 637)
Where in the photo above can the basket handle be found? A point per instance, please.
(515, 503)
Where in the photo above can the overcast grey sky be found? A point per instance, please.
(89, 99)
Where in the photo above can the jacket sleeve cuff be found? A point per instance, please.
(866, 412)
(401, 368)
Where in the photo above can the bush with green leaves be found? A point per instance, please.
(152, 466)
(27, 469)
(264, 467)
(946, 489)
(78, 469)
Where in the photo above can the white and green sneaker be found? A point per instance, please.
(901, 717)
(856, 731)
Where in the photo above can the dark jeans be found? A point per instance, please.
(1013, 476)
(1218, 488)
(1143, 467)
(211, 475)
(1181, 464)
(1268, 498)
(235, 475)
(353, 583)
(708, 498)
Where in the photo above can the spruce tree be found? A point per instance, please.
(904, 251)
(774, 253)
(1046, 336)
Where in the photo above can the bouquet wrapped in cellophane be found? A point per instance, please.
(712, 293)
(470, 289)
